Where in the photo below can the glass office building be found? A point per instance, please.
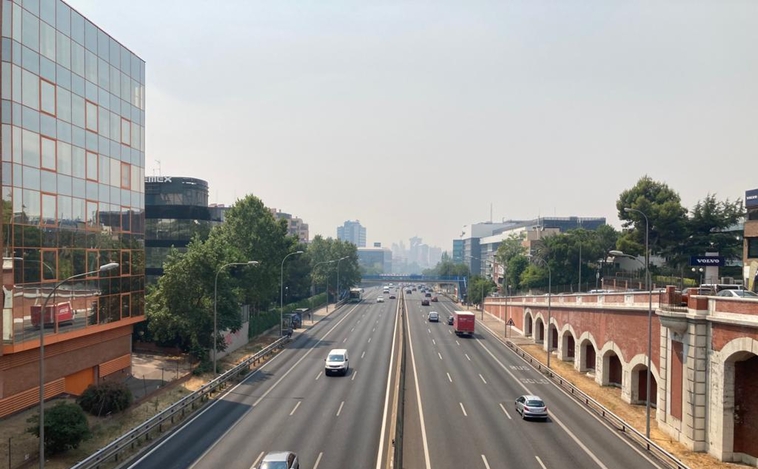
(176, 208)
(73, 158)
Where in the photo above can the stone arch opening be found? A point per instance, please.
(613, 370)
(553, 337)
(589, 355)
(568, 346)
(741, 403)
(528, 325)
(638, 386)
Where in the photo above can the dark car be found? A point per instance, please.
(424, 302)
(392, 296)
(408, 292)
(428, 295)
(450, 320)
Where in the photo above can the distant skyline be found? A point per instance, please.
(415, 117)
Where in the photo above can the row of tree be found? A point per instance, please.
(214, 273)
(580, 256)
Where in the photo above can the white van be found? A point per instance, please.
(336, 362)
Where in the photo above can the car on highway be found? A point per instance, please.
(380, 299)
(425, 302)
(531, 406)
(450, 320)
(737, 294)
(428, 294)
(392, 296)
(434, 316)
(434, 299)
(337, 362)
(408, 292)
(279, 460)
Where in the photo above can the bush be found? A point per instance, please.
(65, 427)
(105, 398)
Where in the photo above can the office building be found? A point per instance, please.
(176, 209)
(352, 232)
(73, 159)
(295, 226)
(375, 261)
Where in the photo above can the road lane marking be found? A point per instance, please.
(449, 378)
(387, 391)
(344, 340)
(469, 358)
(355, 373)
(363, 354)
(486, 464)
(369, 340)
(429, 330)
(540, 461)
(296, 406)
(459, 344)
(506, 412)
(318, 460)
(434, 342)
(340, 409)
(255, 463)
(318, 375)
(374, 329)
(425, 443)
(463, 409)
(485, 381)
(439, 355)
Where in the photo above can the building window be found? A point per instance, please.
(91, 111)
(48, 159)
(126, 176)
(47, 97)
(49, 209)
(49, 264)
(92, 216)
(92, 166)
(752, 248)
(126, 132)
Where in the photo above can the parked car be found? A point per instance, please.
(434, 316)
(531, 406)
(737, 294)
(279, 460)
(690, 291)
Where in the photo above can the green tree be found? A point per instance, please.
(667, 219)
(322, 250)
(478, 288)
(710, 228)
(65, 427)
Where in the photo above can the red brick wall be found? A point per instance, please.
(725, 333)
(746, 406)
(677, 375)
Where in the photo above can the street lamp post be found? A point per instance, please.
(649, 319)
(43, 313)
(327, 282)
(549, 297)
(699, 270)
(281, 290)
(338, 276)
(215, 304)
(468, 298)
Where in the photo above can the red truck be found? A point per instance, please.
(65, 315)
(463, 322)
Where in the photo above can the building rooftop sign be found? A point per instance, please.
(751, 198)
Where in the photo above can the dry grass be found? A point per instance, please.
(634, 415)
(24, 446)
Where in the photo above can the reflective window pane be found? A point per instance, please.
(63, 47)
(78, 163)
(30, 31)
(48, 153)
(30, 89)
(49, 209)
(47, 41)
(64, 158)
(31, 148)
(63, 18)
(47, 92)
(91, 110)
(92, 166)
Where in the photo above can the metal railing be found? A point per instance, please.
(178, 410)
(617, 422)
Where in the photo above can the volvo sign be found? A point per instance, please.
(751, 198)
(708, 261)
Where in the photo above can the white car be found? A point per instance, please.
(737, 294)
(380, 299)
(336, 362)
(434, 316)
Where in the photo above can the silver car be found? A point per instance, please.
(279, 460)
(530, 406)
(737, 294)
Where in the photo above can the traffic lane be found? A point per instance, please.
(207, 428)
(495, 434)
(447, 417)
(575, 427)
(306, 412)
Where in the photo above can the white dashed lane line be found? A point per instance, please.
(506, 412)
(449, 378)
(469, 358)
(463, 409)
(483, 380)
(340, 409)
(296, 406)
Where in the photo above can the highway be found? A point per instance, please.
(289, 404)
(460, 412)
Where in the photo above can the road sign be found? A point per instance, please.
(510, 322)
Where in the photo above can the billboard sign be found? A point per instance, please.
(707, 261)
(751, 198)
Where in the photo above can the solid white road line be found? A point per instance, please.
(540, 461)
(296, 406)
(340, 409)
(485, 381)
(424, 441)
(506, 412)
(486, 464)
(255, 463)
(463, 409)
(449, 378)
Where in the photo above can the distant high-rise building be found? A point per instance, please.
(295, 226)
(353, 232)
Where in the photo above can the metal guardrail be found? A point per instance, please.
(188, 403)
(661, 454)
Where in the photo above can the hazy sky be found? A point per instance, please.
(416, 117)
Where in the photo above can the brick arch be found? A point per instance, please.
(725, 400)
(580, 362)
(611, 370)
(567, 343)
(635, 387)
(539, 335)
(528, 323)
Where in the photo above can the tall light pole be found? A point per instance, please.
(327, 281)
(43, 313)
(505, 293)
(338, 276)
(215, 303)
(649, 318)
(480, 268)
(281, 290)
(549, 296)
